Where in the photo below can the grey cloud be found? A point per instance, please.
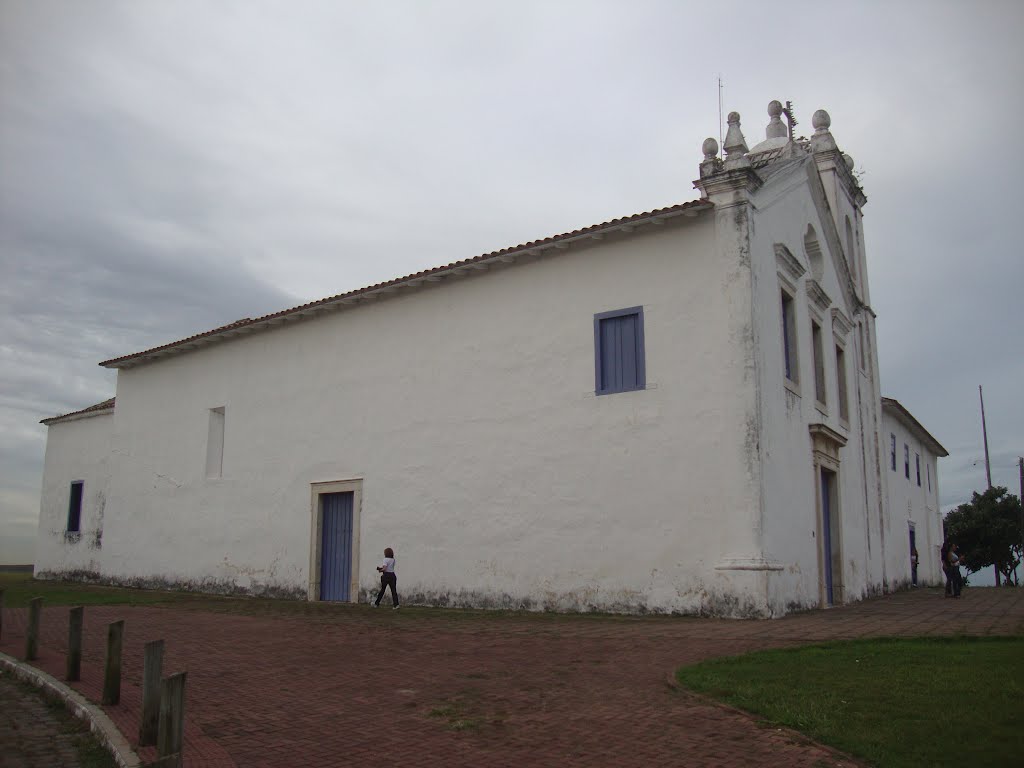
(172, 167)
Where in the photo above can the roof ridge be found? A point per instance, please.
(423, 274)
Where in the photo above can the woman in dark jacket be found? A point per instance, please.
(388, 578)
(944, 554)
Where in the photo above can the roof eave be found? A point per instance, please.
(908, 420)
(100, 409)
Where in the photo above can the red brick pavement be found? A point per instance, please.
(300, 684)
(33, 735)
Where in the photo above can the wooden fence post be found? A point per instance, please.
(172, 718)
(112, 668)
(152, 670)
(74, 665)
(35, 608)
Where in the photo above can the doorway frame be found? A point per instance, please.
(830, 549)
(825, 446)
(355, 487)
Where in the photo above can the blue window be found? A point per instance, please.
(75, 507)
(619, 351)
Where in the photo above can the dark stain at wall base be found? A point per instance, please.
(201, 586)
(711, 605)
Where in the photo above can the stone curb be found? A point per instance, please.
(101, 725)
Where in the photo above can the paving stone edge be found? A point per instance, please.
(101, 725)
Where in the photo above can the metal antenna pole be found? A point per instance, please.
(984, 433)
(721, 134)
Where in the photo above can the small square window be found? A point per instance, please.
(75, 507)
(619, 364)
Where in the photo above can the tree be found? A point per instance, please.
(988, 531)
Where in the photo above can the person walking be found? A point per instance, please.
(388, 578)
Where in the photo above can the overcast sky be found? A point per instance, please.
(168, 167)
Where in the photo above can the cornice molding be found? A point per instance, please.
(789, 266)
(841, 324)
(736, 180)
(832, 159)
(817, 295)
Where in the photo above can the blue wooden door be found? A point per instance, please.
(826, 532)
(913, 549)
(336, 545)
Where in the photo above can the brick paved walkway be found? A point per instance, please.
(33, 735)
(300, 684)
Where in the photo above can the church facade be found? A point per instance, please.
(678, 411)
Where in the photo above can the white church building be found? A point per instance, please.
(677, 411)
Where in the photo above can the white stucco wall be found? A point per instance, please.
(463, 412)
(468, 412)
(791, 485)
(913, 504)
(76, 450)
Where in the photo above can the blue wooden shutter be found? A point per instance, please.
(620, 351)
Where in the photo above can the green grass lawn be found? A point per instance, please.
(19, 588)
(916, 702)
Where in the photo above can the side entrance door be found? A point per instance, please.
(336, 546)
(913, 551)
(826, 538)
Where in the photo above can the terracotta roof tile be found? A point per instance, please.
(105, 405)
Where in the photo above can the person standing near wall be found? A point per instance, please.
(953, 563)
(388, 578)
(944, 556)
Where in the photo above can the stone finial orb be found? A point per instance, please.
(821, 121)
(849, 161)
(734, 118)
(709, 148)
(775, 129)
